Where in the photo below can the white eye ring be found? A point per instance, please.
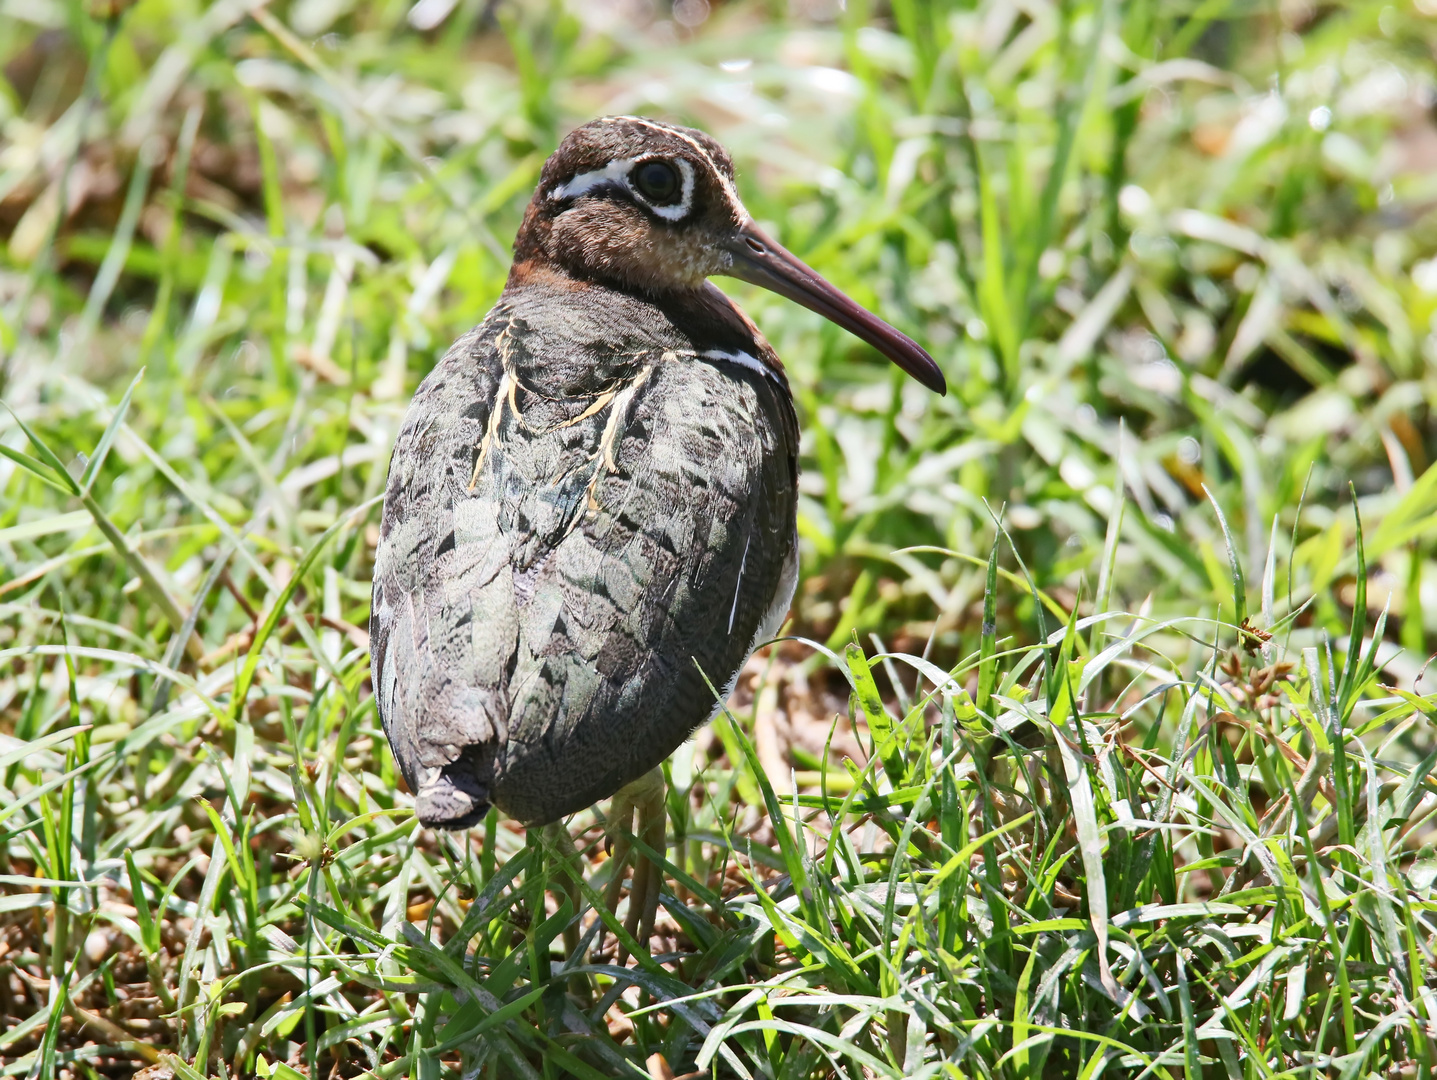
(679, 210)
(617, 172)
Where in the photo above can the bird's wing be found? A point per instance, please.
(442, 622)
(681, 543)
(557, 575)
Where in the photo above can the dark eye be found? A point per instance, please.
(657, 181)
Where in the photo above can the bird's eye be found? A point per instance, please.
(658, 182)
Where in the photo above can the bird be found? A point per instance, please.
(589, 520)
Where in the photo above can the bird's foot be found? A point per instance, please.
(638, 810)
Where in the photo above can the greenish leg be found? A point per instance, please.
(639, 809)
(559, 840)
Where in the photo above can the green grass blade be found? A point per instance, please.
(38, 469)
(281, 603)
(102, 448)
(47, 456)
(1239, 587)
(880, 725)
(1349, 685)
(988, 646)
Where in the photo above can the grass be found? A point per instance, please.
(1104, 739)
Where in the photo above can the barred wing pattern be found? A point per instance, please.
(558, 571)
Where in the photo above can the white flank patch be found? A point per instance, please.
(772, 620)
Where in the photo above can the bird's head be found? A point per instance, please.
(651, 208)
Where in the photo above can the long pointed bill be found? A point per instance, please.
(762, 261)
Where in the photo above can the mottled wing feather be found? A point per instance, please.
(543, 626)
(643, 595)
(443, 621)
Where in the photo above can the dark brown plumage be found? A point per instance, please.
(591, 503)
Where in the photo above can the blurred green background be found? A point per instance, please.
(1177, 258)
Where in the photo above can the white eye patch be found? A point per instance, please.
(617, 172)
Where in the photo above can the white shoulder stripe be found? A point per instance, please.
(742, 359)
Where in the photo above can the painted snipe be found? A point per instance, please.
(591, 504)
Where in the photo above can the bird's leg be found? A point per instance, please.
(644, 799)
(567, 887)
(559, 839)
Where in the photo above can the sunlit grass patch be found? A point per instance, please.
(1103, 741)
